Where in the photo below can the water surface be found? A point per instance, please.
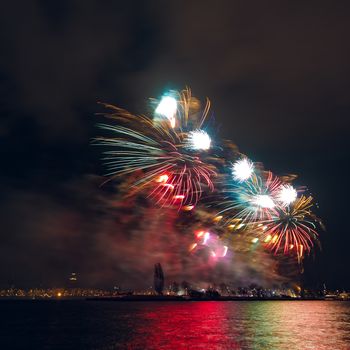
(98, 325)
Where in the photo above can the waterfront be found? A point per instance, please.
(65, 324)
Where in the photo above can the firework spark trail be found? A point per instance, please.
(155, 148)
(211, 242)
(293, 228)
(252, 201)
(181, 111)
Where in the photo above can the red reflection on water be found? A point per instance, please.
(282, 325)
(194, 325)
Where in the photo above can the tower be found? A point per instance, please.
(158, 279)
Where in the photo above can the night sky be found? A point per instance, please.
(277, 73)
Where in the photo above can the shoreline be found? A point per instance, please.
(166, 298)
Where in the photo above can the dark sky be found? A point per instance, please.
(277, 73)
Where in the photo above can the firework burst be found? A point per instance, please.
(292, 229)
(198, 140)
(242, 169)
(181, 111)
(174, 173)
(252, 201)
(287, 195)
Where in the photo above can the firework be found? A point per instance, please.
(158, 153)
(210, 242)
(242, 169)
(181, 111)
(287, 195)
(292, 229)
(167, 108)
(252, 201)
(198, 140)
(263, 201)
